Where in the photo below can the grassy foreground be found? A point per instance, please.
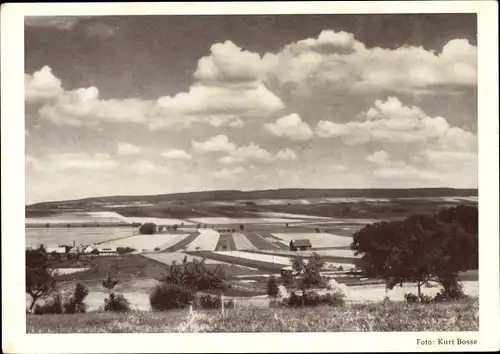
(462, 315)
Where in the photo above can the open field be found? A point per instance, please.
(147, 242)
(317, 239)
(225, 220)
(206, 241)
(453, 316)
(158, 221)
(242, 242)
(81, 235)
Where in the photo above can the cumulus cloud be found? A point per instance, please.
(228, 63)
(290, 126)
(392, 122)
(146, 167)
(378, 157)
(338, 60)
(59, 22)
(42, 85)
(216, 106)
(176, 154)
(128, 149)
(286, 154)
(219, 143)
(228, 172)
(252, 153)
(80, 161)
(255, 100)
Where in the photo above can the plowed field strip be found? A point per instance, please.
(259, 241)
(225, 240)
(183, 243)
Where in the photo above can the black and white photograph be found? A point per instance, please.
(254, 173)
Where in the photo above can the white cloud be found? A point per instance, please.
(80, 161)
(290, 126)
(286, 154)
(146, 167)
(128, 149)
(392, 122)
(228, 172)
(213, 105)
(176, 154)
(228, 63)
(209, 101)
(42, 85)
(338, 60)
(378, 157)
(219, 143)
(252, 152)
(228, 160)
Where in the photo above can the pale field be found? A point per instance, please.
(375, 293)
(147, 242)
(224, 220)
(361, 222)
(334, 253)
(285, 261)
(62, 271)
(267, 214)
(81, 235)
(157, 221)
(79, 217)
(178, 257)
(242, 242)
(206, 241)
(317, 239)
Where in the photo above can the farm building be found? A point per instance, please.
(300, 245)
(56, 252)
(108, 251)
(89, 249)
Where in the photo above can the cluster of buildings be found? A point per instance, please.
(65, 251)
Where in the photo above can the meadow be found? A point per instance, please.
(379, 317)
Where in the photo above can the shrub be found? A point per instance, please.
(332, 299)
(116, 303)
(166, 296)
(75, 304)
(409, 297)
(52, 306)
(148, 228)
(214, 302)
(444, 295)
(272, 286)
(124, 250)
(157, 249)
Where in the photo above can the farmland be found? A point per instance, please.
(249, 238)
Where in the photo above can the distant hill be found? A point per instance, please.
(229, 195)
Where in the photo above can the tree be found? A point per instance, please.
(183, 281)
(147, 228)
(39, 280)
(76, 304)
(419, 249)
(305, 272)
(272, 286)
(242, 227)
(174, 227)
(115, 302)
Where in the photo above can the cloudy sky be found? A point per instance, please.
(163, 104)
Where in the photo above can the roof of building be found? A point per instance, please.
(56, 249)
(107, 249)
(301, 243)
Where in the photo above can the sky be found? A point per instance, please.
(135, 105)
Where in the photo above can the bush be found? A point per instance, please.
(52, 306)
(157, 249)
(332, 299)
(272, 286)
(148, 228)
(409, 297)
(75, 304)
(124, 250)
(116, 303)
(214, 302)
(444, 295)
(166, 296)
